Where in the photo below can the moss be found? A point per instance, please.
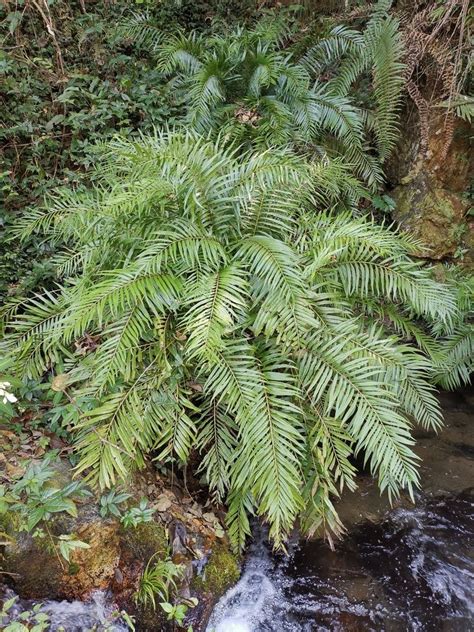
(37, 572)
(150, 620)
(8, 523)
(433, 215)
(145, 540)
(221, 572)
(73, 568)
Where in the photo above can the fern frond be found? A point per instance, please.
(138, 28)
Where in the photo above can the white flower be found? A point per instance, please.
(7, 396)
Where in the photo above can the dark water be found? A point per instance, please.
(413, 571)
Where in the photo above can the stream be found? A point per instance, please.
(414, 571)
(407, 569)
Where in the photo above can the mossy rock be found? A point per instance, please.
(39, 572)
(34, 568)
(150, 620)
(221, 572)
(145, 540)
(433, 215)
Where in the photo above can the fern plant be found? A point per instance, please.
(249, 88)
(208, 305)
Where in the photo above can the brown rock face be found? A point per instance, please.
(430, 190)
(40, 573)
(95, 567)
(435, 215)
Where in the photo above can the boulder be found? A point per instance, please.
(39, 572)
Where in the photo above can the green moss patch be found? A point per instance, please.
(145, 540)
(221, 572)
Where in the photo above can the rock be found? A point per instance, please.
(40, 573)
(180, 537)
(221, 572)
(210, 517)
(117, 556)
(216, 576)
(429, 190)
(163, 503)
(94, 567)
(432, 214)
(143, 541)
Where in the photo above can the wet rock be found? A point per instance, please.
(180, 537)
(117, 556)
(221, 571)
(39, 572)
(94, 567)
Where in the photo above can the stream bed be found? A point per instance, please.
(408, 569)
(413, 571)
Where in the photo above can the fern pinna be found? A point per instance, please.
(233, 318)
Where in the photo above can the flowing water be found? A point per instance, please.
(95, 615)
(407, 570)
(414, 571)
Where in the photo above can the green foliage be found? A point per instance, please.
(37, 500)
(51, 121)
(462, 105)
(26, 621)
(455, 364)
(158, 580)
(177, 612)
(33, 499)
(137, 515)
(67, 544)
(232, 318)
(246, 86)
(109, 503)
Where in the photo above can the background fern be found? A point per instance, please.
(262, 87)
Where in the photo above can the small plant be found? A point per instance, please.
(177, 613)
(158, 580)
(109, 503)
(67, 544)
(383, 203)
(33, 500)
(137, 515)
(37, 499)
(27, 621)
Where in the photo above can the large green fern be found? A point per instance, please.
(231, 317)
